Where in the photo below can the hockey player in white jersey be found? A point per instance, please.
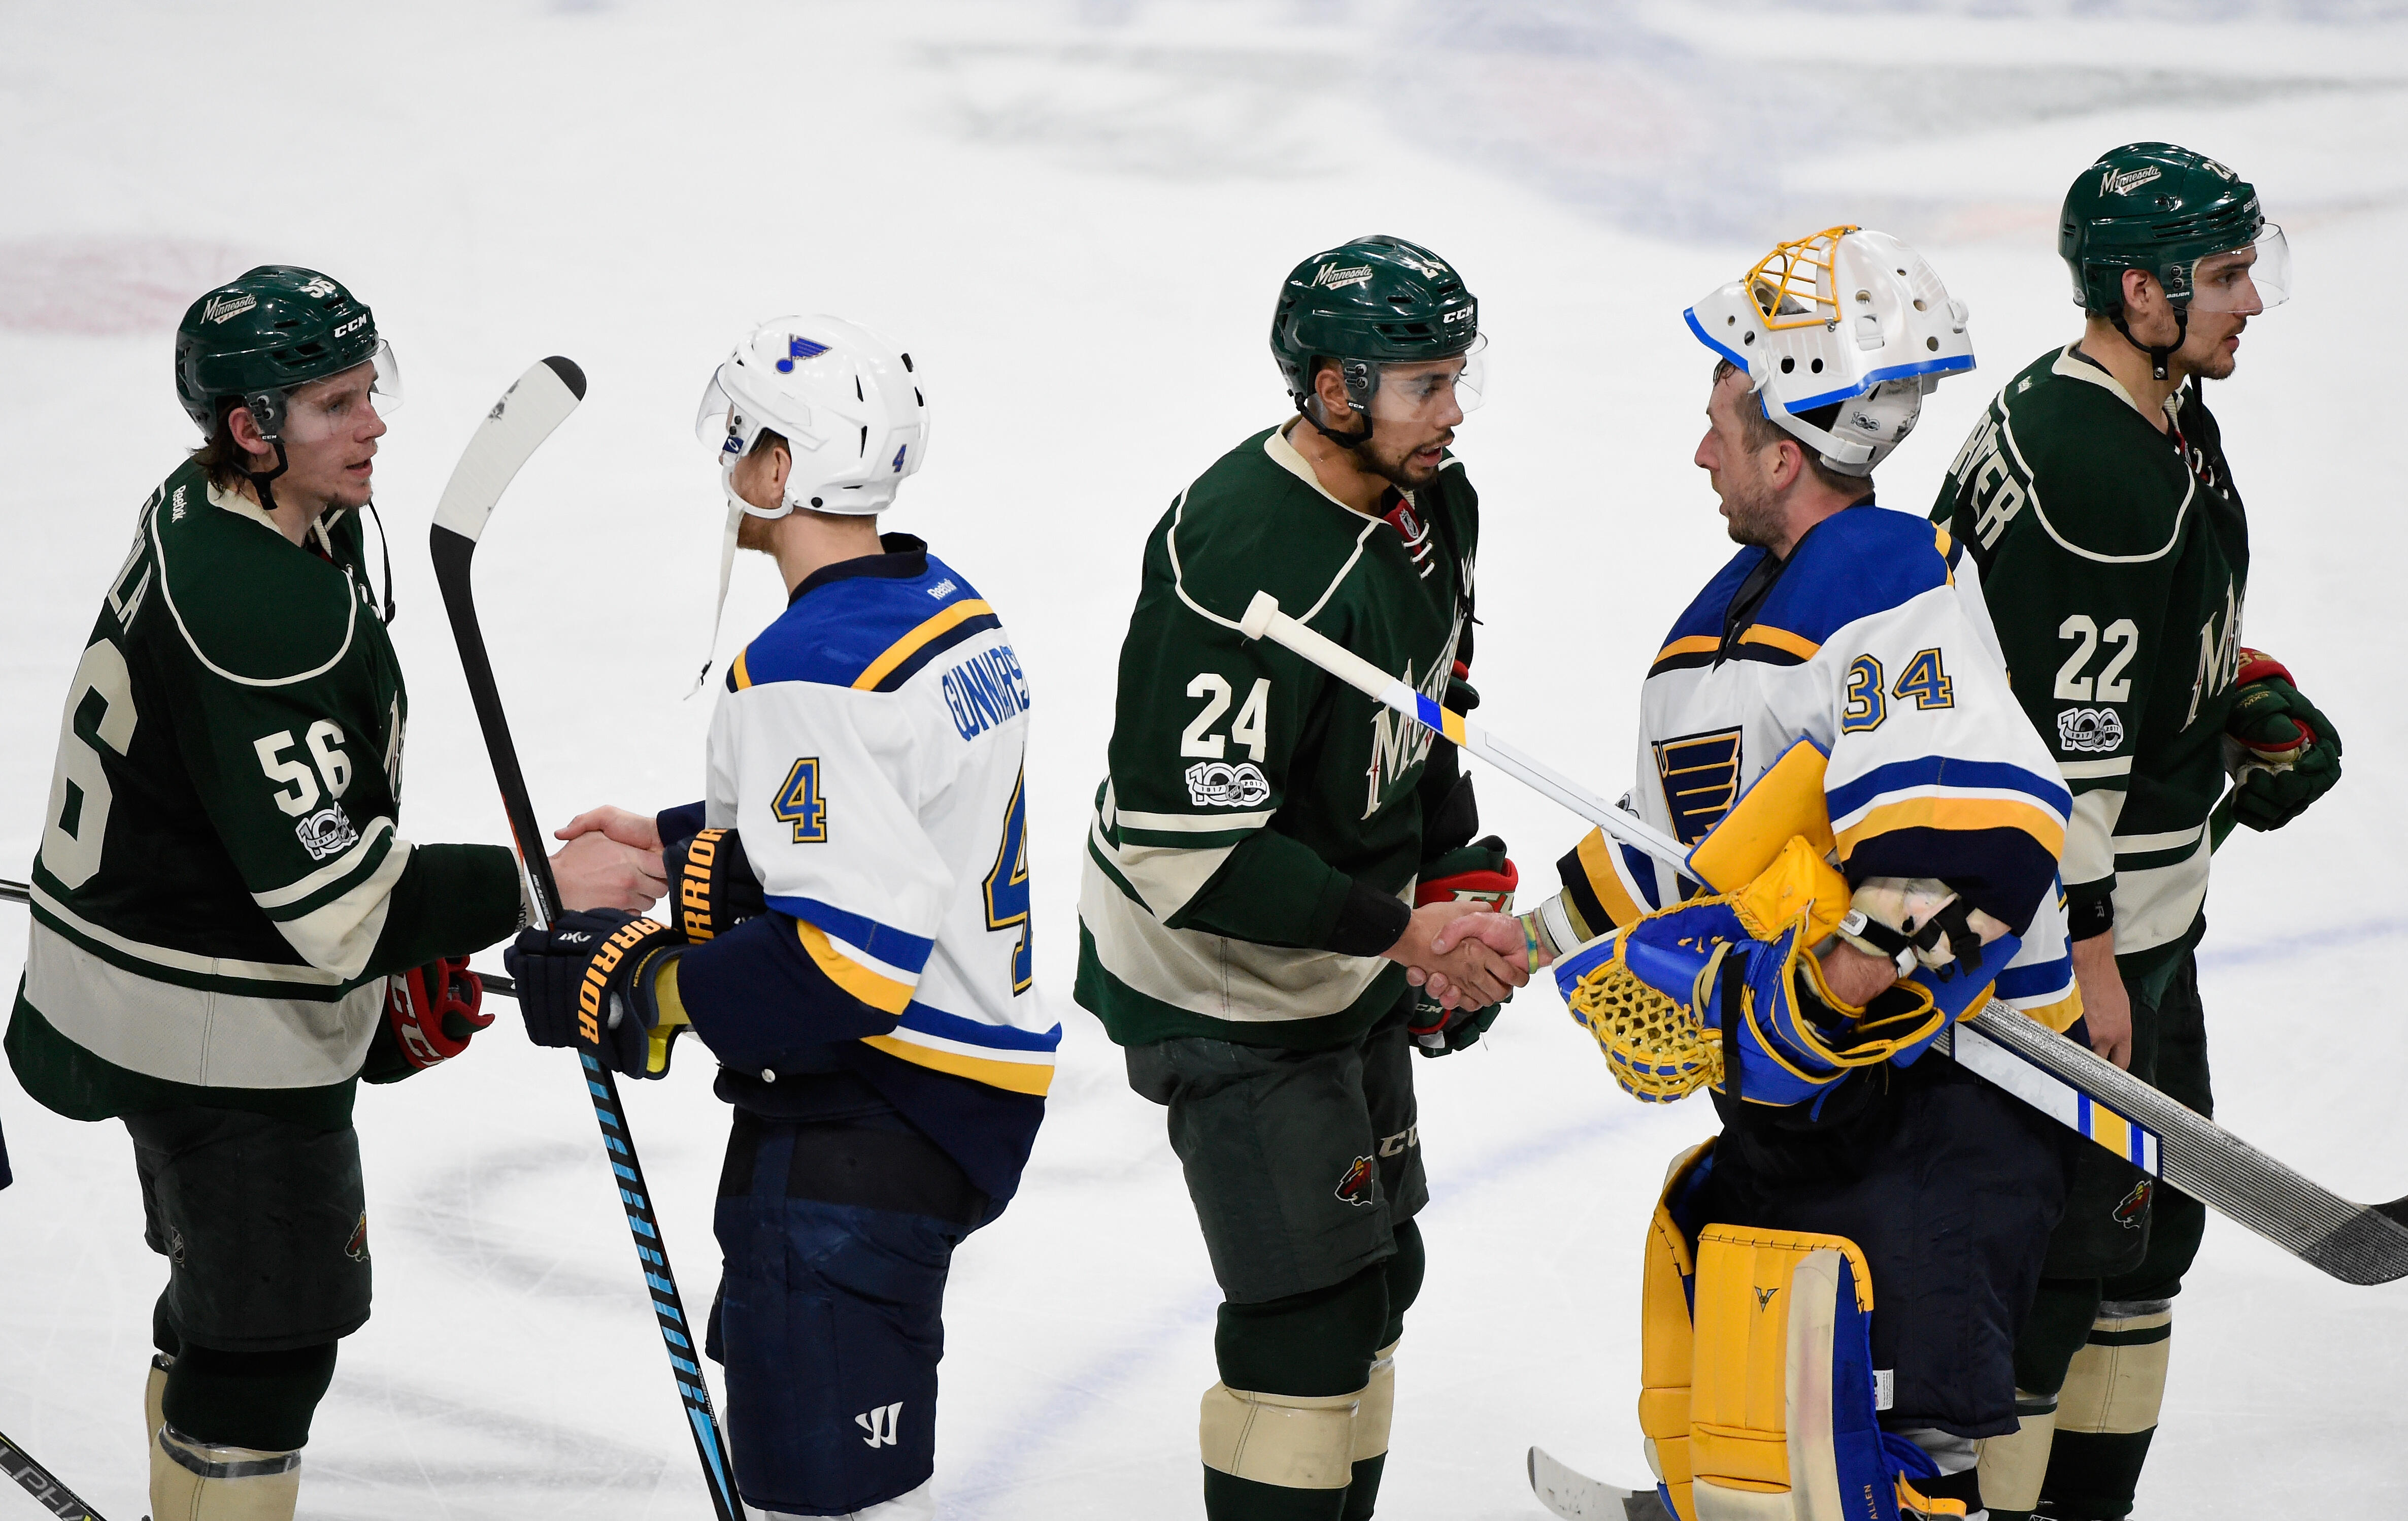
(1893, 1209)
(850, 935)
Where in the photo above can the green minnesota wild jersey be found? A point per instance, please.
(1248, 792)
(2114, 559)
(221, 890)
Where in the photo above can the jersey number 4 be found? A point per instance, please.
(799, 802)
(1007, 885)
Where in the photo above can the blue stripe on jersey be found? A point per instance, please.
(1705, 614)
(919, 1016)
(896, 947)
(1641, 867)
(834, 632)
(2038, 980)
(1939, 772)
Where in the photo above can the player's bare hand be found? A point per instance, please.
(596, 871)
(640, 830)
(1499, 933)
(1468, 974)
(1856, 977)
(2106, 1007)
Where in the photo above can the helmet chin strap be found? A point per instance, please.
(1356, 440)
(2157, 355)
(738, 510)
(259, 479)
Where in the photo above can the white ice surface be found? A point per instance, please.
(1076, 216)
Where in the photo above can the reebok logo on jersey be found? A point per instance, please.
(326, 832)
(2089, 730)
(1220, 785)
(879, 1422)
(943, 589)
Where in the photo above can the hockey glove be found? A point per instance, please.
(434, 1010)
(716, 888)
(593, 981)
(2284, 754)
(1480, 873)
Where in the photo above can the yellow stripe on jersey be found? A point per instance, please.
(743, 676)
(908, 645)
(1957, 814)
(1695, 644)
(1781, 638)
(1014, 1077)
(1597, 855)
(881, 993)
(2058, 1016)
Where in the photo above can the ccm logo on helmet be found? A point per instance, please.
(354, 325)
(1463, 316)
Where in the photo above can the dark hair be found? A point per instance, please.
(1762, 432)
(221, 459)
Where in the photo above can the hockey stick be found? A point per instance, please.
(18, 892)
(2357, 1243)
(54, 1497)
(1576, 1497)
(522, 419)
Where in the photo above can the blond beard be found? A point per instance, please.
(756, 534)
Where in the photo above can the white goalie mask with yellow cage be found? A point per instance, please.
(1841, 334)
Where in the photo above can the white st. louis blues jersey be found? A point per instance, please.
(868, 750)
(1867, 644)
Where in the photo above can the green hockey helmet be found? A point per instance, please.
(2167, 211)
(276, 328)
(1370, 303)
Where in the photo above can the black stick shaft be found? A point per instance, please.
(453, 553)
(47, 1491)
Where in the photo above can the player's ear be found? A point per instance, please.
(1329, 385)
(2142, 295)
(244, 429)
(781, 466)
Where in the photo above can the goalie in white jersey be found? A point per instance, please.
(850, 935)
(1899, 856)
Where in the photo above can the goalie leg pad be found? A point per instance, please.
(1666, 1338)
(1782, 1422)
(1290, 1441)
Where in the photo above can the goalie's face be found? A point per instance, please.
(1747, 475)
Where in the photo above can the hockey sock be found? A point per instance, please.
(2109, 1411)
(1277, 1431)
(257, 1400)
(1404, 1272)
(198, 1481)
(154, 1395)
(2014, 1465)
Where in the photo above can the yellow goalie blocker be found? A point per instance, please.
(1758, 1396)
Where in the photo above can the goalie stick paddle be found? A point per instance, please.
(522, 419)
(1576, 1497)
(2357, 1243)
(47, 1491)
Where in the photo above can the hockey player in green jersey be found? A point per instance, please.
(2114, 553)
(1247, 922)
(228, 931)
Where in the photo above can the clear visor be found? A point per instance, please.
(2245, 280)
(1436, 391)
(340, 405)
(722, 427)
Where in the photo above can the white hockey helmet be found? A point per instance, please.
(1841, 334)
(846, 401)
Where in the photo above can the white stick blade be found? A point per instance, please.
(522, 420)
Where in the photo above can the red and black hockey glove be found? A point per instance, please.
(435, 1010)
(590, 982)
(2285, 753)
(1479, 872)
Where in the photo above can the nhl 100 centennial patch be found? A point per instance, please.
(1220, 785)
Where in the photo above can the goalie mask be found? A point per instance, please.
(1841, 334)
(846, 401)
